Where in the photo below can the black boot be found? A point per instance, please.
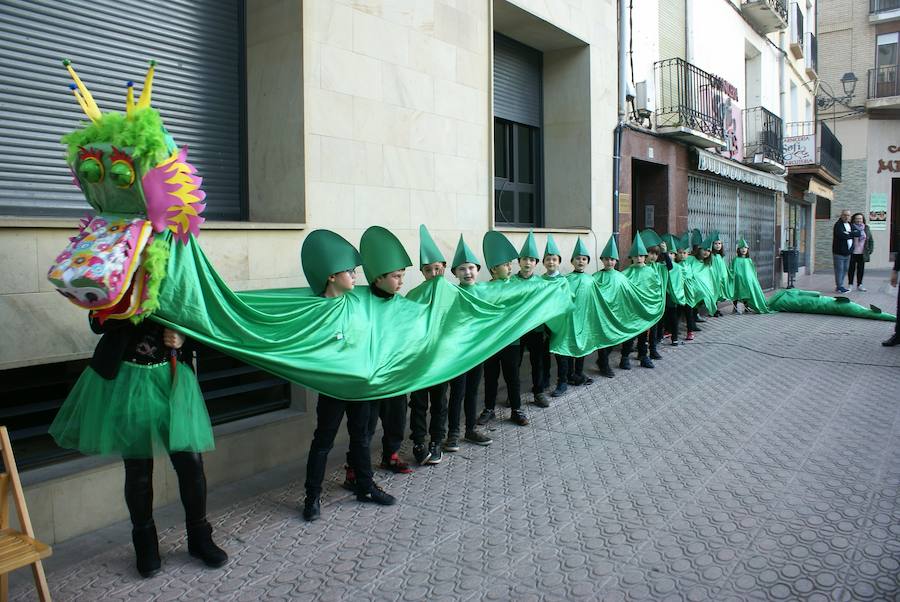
(201, 545)
(146, 549)
(625, 363)
(312, 508)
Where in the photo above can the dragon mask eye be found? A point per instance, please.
(122, 169)
(90, 167)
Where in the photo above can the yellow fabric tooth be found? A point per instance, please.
(85, 99)
(144, 102)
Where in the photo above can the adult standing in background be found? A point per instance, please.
(841, 249)
(862, 250)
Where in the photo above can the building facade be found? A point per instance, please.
(705, 147)
(463, 115)
(859, 98)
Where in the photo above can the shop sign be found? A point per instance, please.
(891, 165)
(800, 150)
(878, 211)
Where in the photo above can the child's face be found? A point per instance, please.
(390, 282)
(502, 271)
(608, 263)
(704, 253)
(466, 273)
(342, 282)
(743, 251)
(717, 245)
(526, 266)
(651, 256)
(579, 262)
(682, 254)
(551, 263)
(433, 270)
(639, 260)
(673, 255)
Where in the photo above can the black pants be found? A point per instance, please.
(562, 366)
(672, 315)
(392, 412)
(464, 388)
(329, 413)
(603, 358)
(191, 485)
(655, 334)
(628, 346)
(857, 267)
(897, 323)
(507, 360)
(419, 402)
(533, 342)
(575, 366)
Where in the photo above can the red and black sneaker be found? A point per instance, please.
(349, 480)
(396, 465)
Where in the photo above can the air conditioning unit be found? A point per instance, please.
(643, 99)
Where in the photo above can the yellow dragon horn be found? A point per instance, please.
(129, 99)
(144, 102)
(85, 99)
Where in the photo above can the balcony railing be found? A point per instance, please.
(811, 144)
(766, 16)
(688, 97)
(883, 82)
(812, 54)
(880, 6)
(763, 136)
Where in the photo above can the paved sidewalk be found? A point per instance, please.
(760, 461)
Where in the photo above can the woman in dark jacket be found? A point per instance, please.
(860, 252)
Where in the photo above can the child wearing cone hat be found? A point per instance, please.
(464, 388)
(552, 260)
(533, 341)
(581, 257)
(329, 263)
(638, 256)
(499, 254)
(609, 257)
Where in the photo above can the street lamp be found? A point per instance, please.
(825, 99)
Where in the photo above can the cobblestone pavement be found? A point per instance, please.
(761, 461)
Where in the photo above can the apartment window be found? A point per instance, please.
(517, 133)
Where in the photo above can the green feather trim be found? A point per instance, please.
(143, 132)
(155, 261)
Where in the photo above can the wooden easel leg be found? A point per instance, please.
(40, 581)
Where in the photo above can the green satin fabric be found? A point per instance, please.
(675, 286)
(746, 285)
(811, 302)
(357, 346)
(722, 278)
(700, 286)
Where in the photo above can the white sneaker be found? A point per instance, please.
(861, 288)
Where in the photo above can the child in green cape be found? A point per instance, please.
(638, 256)
(499, 255)
(552, 260)
(464, 388)
(609, 257)
(329, 263)
(746, 283)
(533, 341)
(581, 257)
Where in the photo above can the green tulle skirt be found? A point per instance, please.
(139, 414)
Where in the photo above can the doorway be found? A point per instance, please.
(650, 196)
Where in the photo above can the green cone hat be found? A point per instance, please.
(650, 237)
(742, 244)
(707, 243)
(671, 243)
(580, 249)
(428, 250)
(684, 242)
(551, 248)
(714, 236)
(497, 249)
(325, 253)
(637, 247)
(610, 250)
(696, 237)
(464, 255)
(529, 249)
(381, 252)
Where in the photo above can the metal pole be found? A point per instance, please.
(624, 34)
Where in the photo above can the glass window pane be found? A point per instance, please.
(504, 206)
(524, 155)
(887, 55)
(526, 208)
(501, 160)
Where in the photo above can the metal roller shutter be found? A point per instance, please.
(198, 45)
(517, 82)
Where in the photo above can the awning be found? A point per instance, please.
(735, 171)
(819, 189)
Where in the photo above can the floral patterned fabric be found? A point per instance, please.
(96, 268)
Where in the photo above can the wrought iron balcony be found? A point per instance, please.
(812, 54)
(763, 140)
(688, 101)
(811, 147)
(883, 82)
(766, 16)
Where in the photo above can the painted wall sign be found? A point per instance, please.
(891, 165)
(800, 150)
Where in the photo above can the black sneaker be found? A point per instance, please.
(718, 314)
(891, 342)
(434, 453)
(677, 343)
(376, 495)
(607, 372)
(699, 319)
(646, 362)
(478, 438)
(486, 416)
(451, 444)
(588, 381)
(625, 363)
(540, 400)
(519, 417)
(560, 390)
(655, 355)
(350, 479)
(312, 509)
(420, 453)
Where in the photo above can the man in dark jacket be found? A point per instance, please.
(841, 248)
(895, 339)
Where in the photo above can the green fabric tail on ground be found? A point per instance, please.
(357, 346)
(700, 286)
(811, 302)
(746, 285)
(610, 308)
(722, 278)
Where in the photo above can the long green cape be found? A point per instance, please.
(675, 285)
(722, 278)
(746, 285)
(811, 302)
(699, 284)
